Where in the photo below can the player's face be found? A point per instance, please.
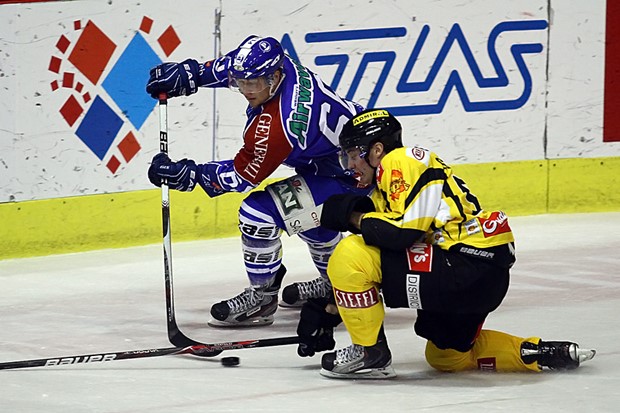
(258, 90)
(356, 161)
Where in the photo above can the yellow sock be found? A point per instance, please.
(493, 351)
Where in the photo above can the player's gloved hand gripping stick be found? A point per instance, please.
(182, 343)
(176, 337)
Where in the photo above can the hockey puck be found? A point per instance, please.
(230, 361)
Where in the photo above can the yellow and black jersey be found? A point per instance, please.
(417, 194)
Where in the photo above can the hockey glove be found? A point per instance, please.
(179, 175)
(316, 327)
(337, 210)
(174, 79)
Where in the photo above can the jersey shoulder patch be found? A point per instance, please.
(420, 154)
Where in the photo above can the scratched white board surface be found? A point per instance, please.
(471, 81)
(447, 71)
(78, 120)
(576, 88)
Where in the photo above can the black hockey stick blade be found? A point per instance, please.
(197, 350)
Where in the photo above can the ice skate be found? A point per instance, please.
(556, 355)
(296, 294)
(359, 362)
(252, 308)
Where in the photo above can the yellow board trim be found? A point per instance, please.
(584, 185)
(54, 226)
(517, 188)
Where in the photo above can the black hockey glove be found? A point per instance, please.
(316, 327)
(179, 175)
(338, 208)
(174, 79)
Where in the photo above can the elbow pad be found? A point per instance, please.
(387, 236)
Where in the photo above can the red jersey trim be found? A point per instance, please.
(265, 145)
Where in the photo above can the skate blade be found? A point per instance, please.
(584, 354)
(368, 374)
(253, 322)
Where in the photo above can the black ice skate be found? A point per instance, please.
(555, 355)
(359, 362)
(296, 294)
(252, 308)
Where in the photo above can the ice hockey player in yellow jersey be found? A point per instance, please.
(421, 241)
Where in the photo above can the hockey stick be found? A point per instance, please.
(197, 350)
(175, 335)
(182, 343)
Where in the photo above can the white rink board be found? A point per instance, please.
(576, 75)
(41, 154)
(459, 136)
(480, 118)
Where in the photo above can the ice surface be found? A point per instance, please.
(566, 285)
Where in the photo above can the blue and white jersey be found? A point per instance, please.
(297, 127)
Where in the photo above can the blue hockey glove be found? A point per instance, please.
(174, 79)
(179, 175)
(316, 327)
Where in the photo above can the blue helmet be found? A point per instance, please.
(256, 56)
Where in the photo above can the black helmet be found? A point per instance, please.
(368, 127)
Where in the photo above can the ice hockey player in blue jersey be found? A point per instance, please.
(293, 118)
